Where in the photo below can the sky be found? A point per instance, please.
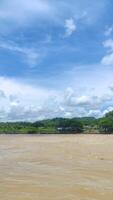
(56, 59)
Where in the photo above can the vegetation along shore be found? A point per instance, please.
(61, 126)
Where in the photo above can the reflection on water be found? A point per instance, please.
(56, 167)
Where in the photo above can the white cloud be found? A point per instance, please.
(108, 31)
(94, 113)
(16, 89)
(87, 105)
(31, 55)
(20, 101)
(108, 44)
(68, 114)
(108, 58)
(83, 100)
(110, 108)
(70, 27)
(21, 11)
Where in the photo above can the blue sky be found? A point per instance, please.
(56, 59)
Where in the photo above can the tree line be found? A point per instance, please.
(61, 125)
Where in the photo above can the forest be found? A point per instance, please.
(86, 125)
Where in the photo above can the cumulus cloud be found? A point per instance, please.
(20, 101)
(108, 58)
(70, 27)
(110, 108)
(87, 105)
(94, 113)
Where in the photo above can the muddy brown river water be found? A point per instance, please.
(56, 167)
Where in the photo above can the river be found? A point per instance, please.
(56, 167)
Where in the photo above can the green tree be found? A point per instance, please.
(106, 125)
